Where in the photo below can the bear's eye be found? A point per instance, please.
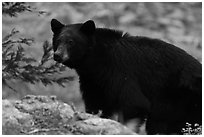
(71, 42)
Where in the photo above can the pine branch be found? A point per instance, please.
(16, 64)
(14, 8)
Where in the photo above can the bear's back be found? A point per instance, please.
(152, 62)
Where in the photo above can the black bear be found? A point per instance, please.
(137, 77)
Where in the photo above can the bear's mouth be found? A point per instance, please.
(60, 59)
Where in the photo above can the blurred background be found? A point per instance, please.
(176, 23)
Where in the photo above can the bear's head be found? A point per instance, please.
(71, 42)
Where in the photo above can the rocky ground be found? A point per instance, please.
(43, 115)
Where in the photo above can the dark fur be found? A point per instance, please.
(135, 76)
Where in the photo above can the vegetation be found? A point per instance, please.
(190, 129)
(13, 8)
(16, 64)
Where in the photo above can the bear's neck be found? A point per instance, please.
(101, 54)
(107, 34)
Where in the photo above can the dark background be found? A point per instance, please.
(177, 23)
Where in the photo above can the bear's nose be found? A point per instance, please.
(57, 58)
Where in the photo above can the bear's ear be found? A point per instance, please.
(88, 27)
(56, 26)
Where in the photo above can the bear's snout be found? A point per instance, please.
(57, 58)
